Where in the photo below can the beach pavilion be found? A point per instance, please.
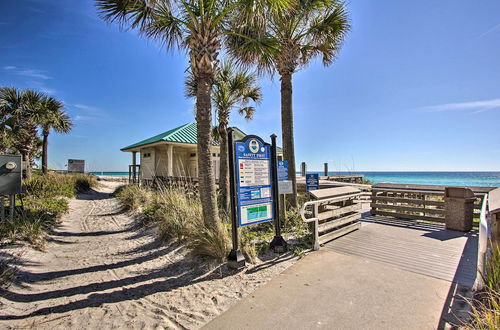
(172, 154)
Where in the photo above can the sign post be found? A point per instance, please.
(235, 259)
(278, 244)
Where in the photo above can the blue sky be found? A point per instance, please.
(415, 87)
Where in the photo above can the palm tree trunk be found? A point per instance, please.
(45, 149)
(205, 169)
(287, 133)
(224, 167)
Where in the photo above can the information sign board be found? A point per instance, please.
(312, 182)
(285, 187)
(282, 170)
(253, 182)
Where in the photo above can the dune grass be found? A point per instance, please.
(486, 303)
(178, 218)
(43, 203)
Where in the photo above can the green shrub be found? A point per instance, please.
(52, 206)
(29, 226)
(56, 185)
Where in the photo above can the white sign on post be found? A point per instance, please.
(285, 187)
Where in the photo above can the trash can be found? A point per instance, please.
(459, 208)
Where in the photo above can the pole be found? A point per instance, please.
(11, 206)
(134, 162)
(303, 169)
(326, 169)
(278, 244)
(2, 208)
(235, 259)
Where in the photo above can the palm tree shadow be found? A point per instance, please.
(177, 275)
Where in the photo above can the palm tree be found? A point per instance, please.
(55, 119)
(294, 37)
(21, 113)
(233, 89)
(198, 26)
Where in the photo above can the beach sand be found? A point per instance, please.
(100, 271)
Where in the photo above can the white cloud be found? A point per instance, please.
(496, 27)
(86, 108)
(475, 106)
(31, 73)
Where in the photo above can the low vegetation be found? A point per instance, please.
(41, 205)
(486, 303)
(178, 217)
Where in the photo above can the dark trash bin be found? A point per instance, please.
(459, 208)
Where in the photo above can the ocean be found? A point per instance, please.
(486, 179)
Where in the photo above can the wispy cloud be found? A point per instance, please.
(31, 73)
(493, 29)
(37, 78)
(474, 107)
(88, 113)
(85, 107)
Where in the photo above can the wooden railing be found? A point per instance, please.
(416, 202)
(334, 212)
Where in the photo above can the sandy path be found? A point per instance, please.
(99, 271)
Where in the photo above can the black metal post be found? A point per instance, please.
(235, 259)
(278, 244)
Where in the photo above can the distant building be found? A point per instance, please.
(173, 153)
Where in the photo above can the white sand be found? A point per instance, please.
(100, 272)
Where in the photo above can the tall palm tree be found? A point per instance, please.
(197, 26)
(22, 112)
(311, 28)
(55, 119)
(233, 89)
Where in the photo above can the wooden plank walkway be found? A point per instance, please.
(420, 247)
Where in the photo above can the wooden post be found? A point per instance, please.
(303, 169)
(134, 170)
(326, 169)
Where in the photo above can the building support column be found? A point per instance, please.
(134, 167)
(170, 160)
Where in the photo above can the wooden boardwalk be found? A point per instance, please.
(420, 247)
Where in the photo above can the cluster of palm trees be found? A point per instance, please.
(26, 119)
(275, 36)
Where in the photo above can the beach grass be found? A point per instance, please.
(44, 201)
(178, 217)
(485, 305)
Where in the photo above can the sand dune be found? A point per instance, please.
(99, 271)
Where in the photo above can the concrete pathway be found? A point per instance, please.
(336, 289)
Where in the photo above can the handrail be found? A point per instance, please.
(316, 204)
(326, 200)
(484, 235)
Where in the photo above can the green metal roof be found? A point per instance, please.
(182, 134)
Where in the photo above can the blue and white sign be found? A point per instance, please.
(282, 170)
(253, 182)
(312, 182)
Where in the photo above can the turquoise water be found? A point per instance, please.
(119, 174)
(487, 179)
